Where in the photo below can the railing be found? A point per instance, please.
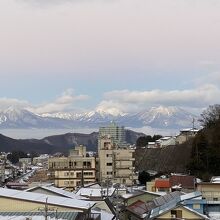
(124, 159)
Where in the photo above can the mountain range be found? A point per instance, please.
(155, 117)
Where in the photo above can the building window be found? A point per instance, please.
(88, 173)
(66, 183)
(87, 164)
(176, 213)
(109, 173)
(79, 175)
(70, 164)
(109, 164)
(66, 173)
(215, 199)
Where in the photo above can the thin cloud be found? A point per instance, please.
(66, 101)
(11, 102)
(195, 98)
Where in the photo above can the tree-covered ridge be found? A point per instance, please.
(205, 158)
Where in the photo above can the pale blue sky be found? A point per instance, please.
(58, 55)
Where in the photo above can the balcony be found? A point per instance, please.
(124, 159)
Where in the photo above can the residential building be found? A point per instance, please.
(42, 160)
(176, 182)
(74, 170)
(117, 133)
(165, 141)
(185, 135)
(211, 192)
(169, 206)
(115, 163)
(14, 201)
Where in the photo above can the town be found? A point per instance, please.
(104, 184)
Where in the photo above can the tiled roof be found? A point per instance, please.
(139, 207)
(186, 182)
(162, 183)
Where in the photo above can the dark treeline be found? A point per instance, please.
(205, 158)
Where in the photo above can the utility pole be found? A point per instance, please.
(46, 209)
(107, 185)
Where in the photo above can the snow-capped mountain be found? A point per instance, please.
(161, 117)
(156, 117)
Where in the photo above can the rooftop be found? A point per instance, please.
(55, 190)
(41, 198)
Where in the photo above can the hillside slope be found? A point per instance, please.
(165, 160)
(58, 143)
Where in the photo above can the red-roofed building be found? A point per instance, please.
(184, 181)
(162, 185)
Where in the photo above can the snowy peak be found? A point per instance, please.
(156, 117)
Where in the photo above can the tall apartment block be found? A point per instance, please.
(117, 133)
(74, 170)
(115, 163)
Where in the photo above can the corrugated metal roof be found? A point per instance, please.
(56, 190)
(39, 215)
(41, 198)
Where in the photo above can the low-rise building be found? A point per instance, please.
(169, 206)
(13, 201)
(176, 182)
(185, 135)
(73, 171)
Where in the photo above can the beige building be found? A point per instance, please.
(13, 201)
(210, 191)
(115, 164)
(74, 170)
(185, 135)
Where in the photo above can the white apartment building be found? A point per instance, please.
(115, 163)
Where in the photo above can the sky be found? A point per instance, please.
(109, 55)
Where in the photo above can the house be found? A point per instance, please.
(162, 185)
(165, 141)
(49, 189)
(13, 201)
(185, 182)
(139, 195)
(169, 206)
(176, 182)
(185, 135)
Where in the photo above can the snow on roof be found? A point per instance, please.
(94, 192)
(133, 194)
(104, 215)
(195, 212)
(189, 129)
(38, 215)
(190, 195)
(215, 179)
(56, 191)
(52, 200)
